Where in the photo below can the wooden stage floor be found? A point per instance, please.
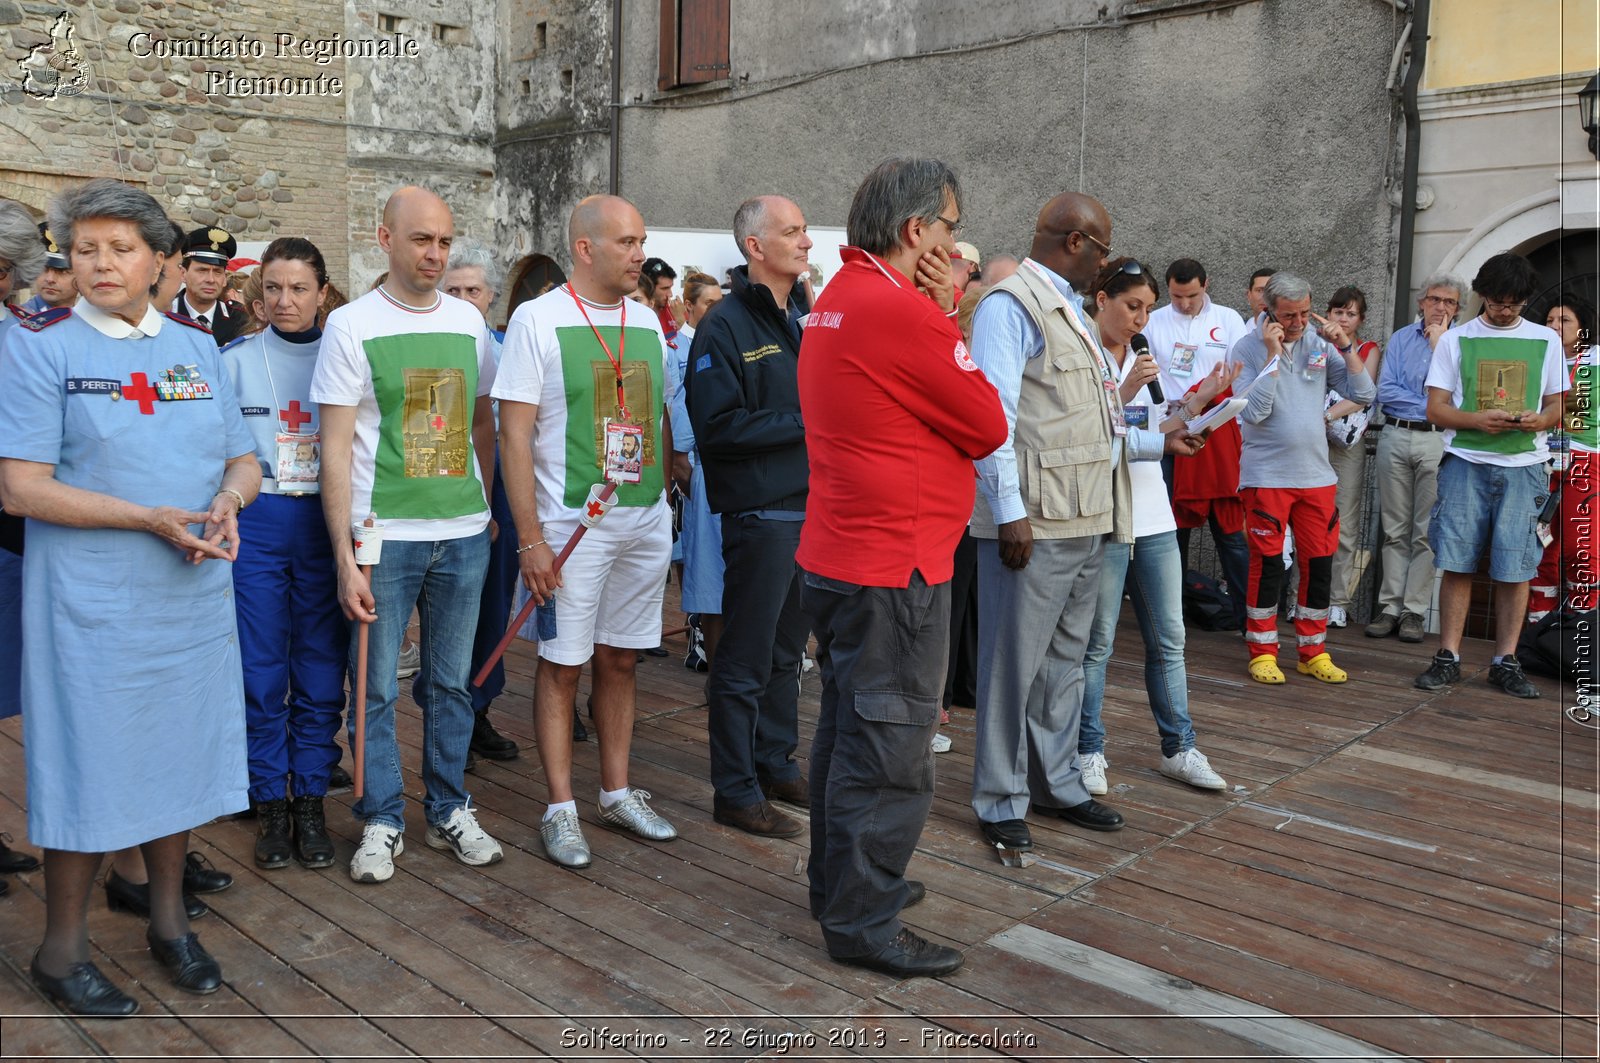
(1391, 874)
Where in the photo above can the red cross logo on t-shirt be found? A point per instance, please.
(139, 390)
(294, 416)
(438, 423)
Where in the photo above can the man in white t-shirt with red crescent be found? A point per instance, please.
(1189, 337)
(1495, 387)
(582, 400)
(402, 381)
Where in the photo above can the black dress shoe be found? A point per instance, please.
(274, 841)
(200, 877)
(1008, 833)
(13, 862)
(134, 897)
(916, 892)
(5, 887)
(657, 651)
(489, 743)
(84, 991)
(339, 781)
(190, 965)
(909, 956)
(796, 791)
(580, 733)
(1091, 815)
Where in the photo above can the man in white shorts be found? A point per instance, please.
(580, 386)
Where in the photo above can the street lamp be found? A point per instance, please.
(1587, 98)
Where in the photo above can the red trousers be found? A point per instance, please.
(1311, 514)
(1573, 558)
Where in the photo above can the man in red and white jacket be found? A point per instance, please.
(895, 413)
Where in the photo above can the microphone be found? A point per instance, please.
(1140, 346)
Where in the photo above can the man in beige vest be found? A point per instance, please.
(1047, 499)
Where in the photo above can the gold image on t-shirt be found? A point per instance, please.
(642, 409)
(1502, 385)
(438, 423)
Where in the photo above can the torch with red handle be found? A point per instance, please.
(595, 508)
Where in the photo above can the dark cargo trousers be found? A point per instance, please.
(882, 654)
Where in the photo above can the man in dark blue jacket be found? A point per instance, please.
(743, 398)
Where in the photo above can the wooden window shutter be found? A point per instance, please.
(702, 40)
(667, 66)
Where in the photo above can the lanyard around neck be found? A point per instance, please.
(622, 346)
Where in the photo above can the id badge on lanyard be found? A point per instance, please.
(624, 462)
(299, 470)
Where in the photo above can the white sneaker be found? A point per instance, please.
(374, 860)
(1192, 767)
(1337, 616)
(941, 743)
(409, 663)
(1093, 766)
(462, 835)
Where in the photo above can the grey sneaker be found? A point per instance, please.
(1445, 669)
(409, 663)
(563, 840)
(1411, 628)
(1383, 626)
(632, 814)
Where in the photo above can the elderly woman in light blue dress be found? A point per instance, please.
(126, 451)
(21, 261)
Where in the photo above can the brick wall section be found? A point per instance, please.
(260, 166)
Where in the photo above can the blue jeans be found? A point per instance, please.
(1157, 591)
(444, 580)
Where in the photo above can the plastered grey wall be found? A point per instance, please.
(1254, 134)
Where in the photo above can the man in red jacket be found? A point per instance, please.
(895, 413)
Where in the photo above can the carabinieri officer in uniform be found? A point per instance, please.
(206, 254)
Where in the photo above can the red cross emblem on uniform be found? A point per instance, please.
(594, 510)
(139, 390)
(294, 416)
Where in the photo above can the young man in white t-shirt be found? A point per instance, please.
(581, 390)
(403, 380)
(1495, 387)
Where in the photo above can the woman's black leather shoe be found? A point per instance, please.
(190, 965)
(200, 877)
(84, 991)
(13, 862)
(125, 896)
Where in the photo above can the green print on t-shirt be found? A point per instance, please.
(426, 385)
(590, 383)
(1500, 373)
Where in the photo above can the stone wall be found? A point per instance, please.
(171, 99)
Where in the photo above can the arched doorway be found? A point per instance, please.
(534, 275)
(1568, 264)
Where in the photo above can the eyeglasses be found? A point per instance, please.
(1101, 244)
(1505, 307)
(1439, 300)
(955, 227)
